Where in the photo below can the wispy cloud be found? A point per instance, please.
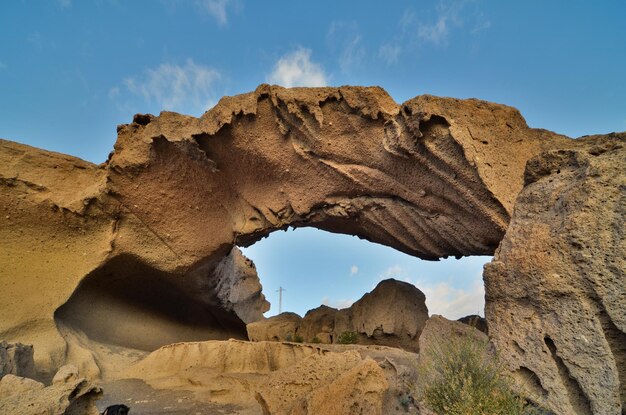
(297, 69)
(217, 8)
(344, 38)
(339, 304)
(437, 29)
(390, 53)
(354, 270)
(183, 88)
(64, 4)
(3, 65)
(436, 33)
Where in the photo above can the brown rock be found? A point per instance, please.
(555, 288)
(439, 331)
(130, 253)
(23, 396)
(319, 324)
(276, 328)
(475, 321)
(281, 378)
(393, 314)
(358, 391)
(16, 359)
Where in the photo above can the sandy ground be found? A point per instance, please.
(144, 400)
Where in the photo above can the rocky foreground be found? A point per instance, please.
(101, 264)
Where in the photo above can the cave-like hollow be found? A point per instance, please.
(127, 303)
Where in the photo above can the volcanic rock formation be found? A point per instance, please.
(556, 288)
(139, 252)
(282, 378)
(393, 314)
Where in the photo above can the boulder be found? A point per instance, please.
(392, 314)
(555, 290)
(475, 321)
(318, 325)
(277, 328)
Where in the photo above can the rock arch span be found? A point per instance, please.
(432, 177)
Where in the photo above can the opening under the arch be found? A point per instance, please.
(315, 267)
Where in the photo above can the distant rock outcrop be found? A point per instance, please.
(393, 314)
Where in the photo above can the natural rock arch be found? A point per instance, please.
(432, 177)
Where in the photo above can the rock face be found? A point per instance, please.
(274, 329)
(393, 314)
(475, 321)
(282, 378)
(555, 290)
(68, 395)
(438, 330)
(16, 359)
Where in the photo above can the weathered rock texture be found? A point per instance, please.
(135, 252)
(555, 290)
(439, 331)
(16, 359)
(393, 314)
(68, 395)
(283, 378)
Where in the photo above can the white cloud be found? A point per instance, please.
(354, 270)
(297, 69)
(186, 88)
(449, 16)
(436, 33)
(217, 9)
(481, 25)
(451, 302)
(339, 304)
(393, 271)
(65, 3)
(345, 39)
(389, 53)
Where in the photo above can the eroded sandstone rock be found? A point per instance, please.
(392, 314)
(146, 235)
(66, 396)
(282, 378)
(555, 289)
(16, 359)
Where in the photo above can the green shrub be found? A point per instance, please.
(461, 378)
(316, 340)
(296, 338)
(347, 337)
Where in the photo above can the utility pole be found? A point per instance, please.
(280, 299)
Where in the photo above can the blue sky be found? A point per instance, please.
(70, 71)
